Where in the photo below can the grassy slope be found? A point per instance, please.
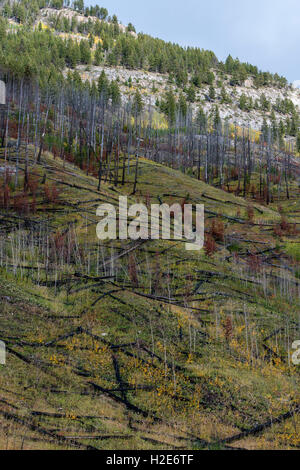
(186, 367)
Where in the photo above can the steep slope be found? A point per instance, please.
(130, 345)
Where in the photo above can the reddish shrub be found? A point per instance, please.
(33, 183)
(21, 204)
(5, 197)
(275, 179)
(210, 245)
(62, 246)
(228, 329)
(59, 241)
(234, 172)
(254, 263)
(284, 225)
(217, 230)
(285, 228)
(277, 231)
(51, 193)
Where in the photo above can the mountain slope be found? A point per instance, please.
(245, 96)
(142, 344)
(114, 346)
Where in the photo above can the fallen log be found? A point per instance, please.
(44, 432)
(260, 427)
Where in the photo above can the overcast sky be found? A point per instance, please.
(265, 33)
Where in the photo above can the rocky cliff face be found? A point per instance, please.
(153, 85)
(46, 13)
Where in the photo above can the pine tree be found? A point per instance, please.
(294, 125)
(103, 86)
(265, 104)
(182, 105)
(274, 126)
(201, 119)
(131, 28)
(281, 134)
(85, 52)
(98, 56)
(265, 130)
(73, 54)
(217, 118)
(79, 6)
(138, 104)
(212, 93)
(115, 93)
(191, 94)
(243, 102)
(168, 106)
(225, 99)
